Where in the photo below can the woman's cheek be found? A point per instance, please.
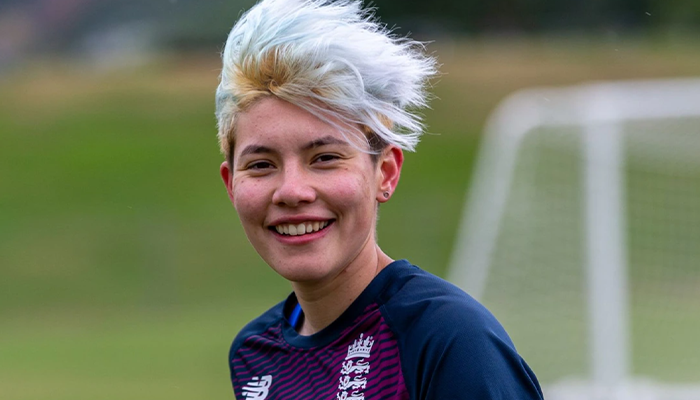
(351, 191)
(249, 198)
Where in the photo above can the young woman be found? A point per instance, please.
(314, 111)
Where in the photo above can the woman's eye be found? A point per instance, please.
(326, 157)
(259, 165)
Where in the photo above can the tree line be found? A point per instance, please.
(527, 16)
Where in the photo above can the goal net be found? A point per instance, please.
(581, 234)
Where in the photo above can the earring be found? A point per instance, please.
(386, 195)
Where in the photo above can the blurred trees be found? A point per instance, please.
(479, 16)
(683, 14)
(72, 26)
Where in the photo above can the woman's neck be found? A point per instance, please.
(324, 302)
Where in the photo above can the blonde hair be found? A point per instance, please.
(331, 58)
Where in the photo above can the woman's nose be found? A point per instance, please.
(294, 188)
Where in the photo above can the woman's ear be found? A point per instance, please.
(389, 164)
(227, 176)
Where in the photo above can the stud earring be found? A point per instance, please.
(386, 195)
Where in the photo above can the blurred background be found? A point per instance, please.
(124, 272)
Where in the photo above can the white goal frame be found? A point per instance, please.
(599, 109)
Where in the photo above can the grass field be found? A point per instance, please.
(124, 271)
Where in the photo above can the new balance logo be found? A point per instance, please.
(257, 388)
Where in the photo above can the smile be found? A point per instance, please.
(301, 228)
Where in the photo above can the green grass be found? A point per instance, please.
(119, 354)
(124, 271)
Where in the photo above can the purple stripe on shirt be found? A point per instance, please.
(317, 373)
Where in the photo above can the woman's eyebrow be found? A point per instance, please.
(256, 149)
(324, 141)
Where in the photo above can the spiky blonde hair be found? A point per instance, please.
(333, 59)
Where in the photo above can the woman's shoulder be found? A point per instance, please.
(420, 301)
(444, 335)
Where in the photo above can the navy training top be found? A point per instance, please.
(409, 335)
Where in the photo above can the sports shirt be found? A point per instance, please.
(409, 335)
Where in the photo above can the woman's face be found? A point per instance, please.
(307, 199)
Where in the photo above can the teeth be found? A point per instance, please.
(300, 229)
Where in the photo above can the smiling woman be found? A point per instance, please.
(290, 171)
(314, 110)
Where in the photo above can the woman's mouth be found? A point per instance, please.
(301, 228)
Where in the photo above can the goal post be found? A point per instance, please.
(562, 221)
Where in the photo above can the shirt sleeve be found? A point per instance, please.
(474, 365)
(452, 348)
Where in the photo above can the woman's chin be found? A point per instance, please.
(306, 274)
